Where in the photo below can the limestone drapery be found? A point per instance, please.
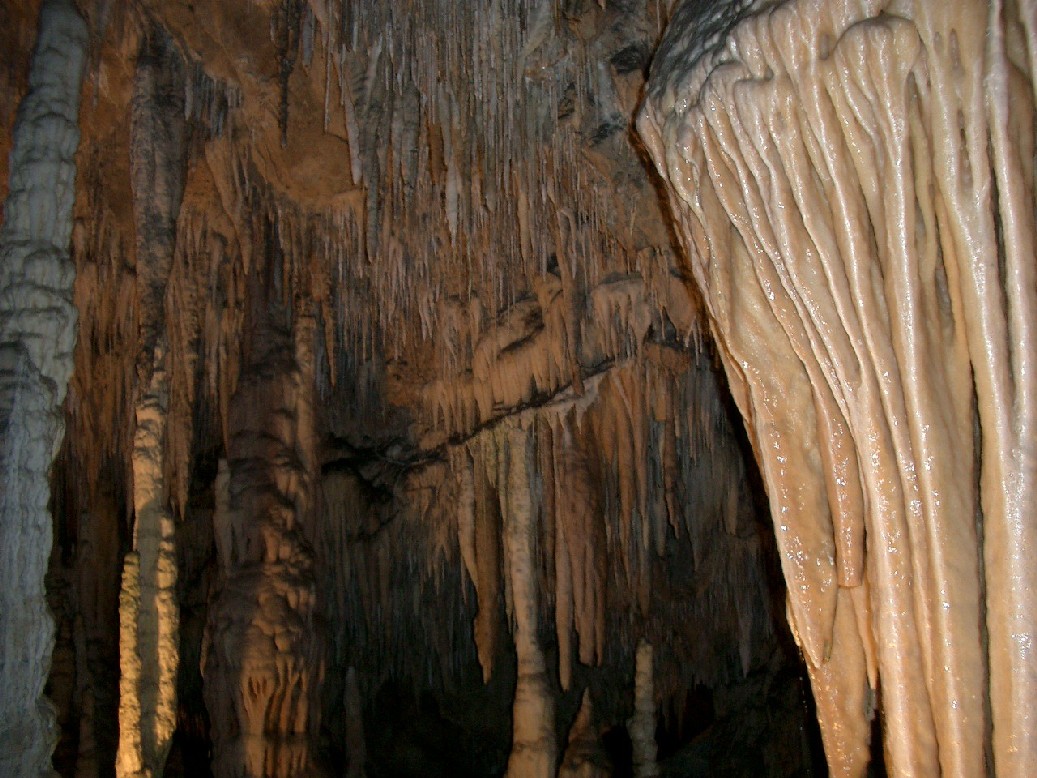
(853, 183)
(494, 252)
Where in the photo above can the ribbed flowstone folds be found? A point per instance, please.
(854, 185)
(392, 387)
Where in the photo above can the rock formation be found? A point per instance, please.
(854, 187)
(264, 653)
(37, 334)
(435, 368)
(147, 706)
(642, 723)
(584, 757)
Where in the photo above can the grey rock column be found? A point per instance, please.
(37, 335)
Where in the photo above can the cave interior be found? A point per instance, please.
(536, 388)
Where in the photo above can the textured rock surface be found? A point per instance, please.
(147, 707)
(264, 659)
(854, 187)
(337, 262)
(148, 610)
(642, 723)
(584, 756)
(37, 334)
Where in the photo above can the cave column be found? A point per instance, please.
(533, 748)
(149, 612)
(264, 656)
(37, 335)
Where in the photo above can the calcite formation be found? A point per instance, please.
(425, 415)
(147, 706)
(149, 644)
(264, 658)
(584, 756)
(642, 723)
(37, 335)
(854, 185)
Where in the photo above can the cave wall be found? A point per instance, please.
(395, 386)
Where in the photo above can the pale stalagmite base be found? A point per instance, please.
(642, 723)
(149, 650)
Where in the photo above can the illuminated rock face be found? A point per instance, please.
(853, 183)
(150, 639)
(37, 335)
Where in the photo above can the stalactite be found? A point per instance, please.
(37, 335)
(856, 199)
(286, 26)
(158, 148)
(579, 550)
(488, 564)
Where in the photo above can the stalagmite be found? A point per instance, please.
(642, 723)
(37, 334)
(149, 650)
(853, 183)
(264, 659)
(533, 747)
(129, 759)
(147, 704)
(584, 757)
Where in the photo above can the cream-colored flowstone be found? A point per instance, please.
(853, 184)
(37, 335)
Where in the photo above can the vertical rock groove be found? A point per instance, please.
(37, 335)
(853, 184)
